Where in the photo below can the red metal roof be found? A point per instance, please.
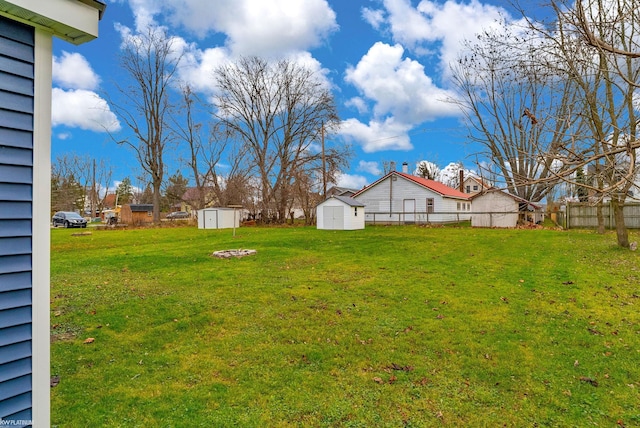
(435, 186)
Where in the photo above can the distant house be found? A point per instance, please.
(340, 213)
(136, 214)
(341, 191)
(399, 197)
(497, 208)
(27, 28)
(473, 185)
(191, 199)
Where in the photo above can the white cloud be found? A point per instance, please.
(79, 108)
(73, 71)
(399, 87)
(447, 23)
(351, 181)
(252, 27)
(370, 167)
(375, 17)
(358, 103)
(377, 136)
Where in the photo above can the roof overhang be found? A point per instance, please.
(75, 21)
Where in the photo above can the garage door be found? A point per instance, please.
(333, 217)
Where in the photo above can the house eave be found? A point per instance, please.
(75, 21)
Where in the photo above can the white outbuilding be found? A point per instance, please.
(496, 208)
(340, 213)
(218, 218)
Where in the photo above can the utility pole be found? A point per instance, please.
(324, 167)
(93, 192)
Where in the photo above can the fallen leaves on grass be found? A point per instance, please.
(589, 380)
(55, 380)
(89, 340)
(398, 367)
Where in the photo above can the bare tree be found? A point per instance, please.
(428, 170)
(208, 144)
(595, 41)
(520, 111)
(79, 182)
(278, 111)
(151, 62)
(575, 78)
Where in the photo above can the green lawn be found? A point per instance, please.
(387, 326)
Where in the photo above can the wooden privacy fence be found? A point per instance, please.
(582, 215)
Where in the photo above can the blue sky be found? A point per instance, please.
(386, 60)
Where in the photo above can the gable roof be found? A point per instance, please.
(478, 180)
(435, 186)
(336, 190)
(349, 201)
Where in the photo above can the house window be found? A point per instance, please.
(475, 188)
(458, 206)
(355, 211)
(469, 189)
(429, 205)
(149, 213)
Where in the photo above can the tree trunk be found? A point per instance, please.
(600, 217)
(156, 201)
(621, 228)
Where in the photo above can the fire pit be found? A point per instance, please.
(226, 254)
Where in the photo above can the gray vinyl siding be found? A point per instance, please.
(16, 197)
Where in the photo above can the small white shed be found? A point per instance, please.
(340, 213)
(496, 208)
(218, 218)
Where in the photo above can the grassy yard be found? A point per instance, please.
(387, 326)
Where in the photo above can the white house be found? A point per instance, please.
(27, 28)
(473, 185)
(219, 218)
(496, 208)
(340, 213)
(399, 197)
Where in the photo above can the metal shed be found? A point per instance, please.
(340, 213)
(218, 218)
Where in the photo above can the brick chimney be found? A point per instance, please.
(405, 168)
(462, 180)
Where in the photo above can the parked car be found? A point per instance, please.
(68, 219)
(177, 215)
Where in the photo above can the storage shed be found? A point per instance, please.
(340, 213)
(496, 208)
(136, 214)
(218, 218)
(27, 28)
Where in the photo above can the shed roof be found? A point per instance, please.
(435, 186)
(347, 200)
(141, 207)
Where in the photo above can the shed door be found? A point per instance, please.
(211, 219)
(409, 208)
(333, 217)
